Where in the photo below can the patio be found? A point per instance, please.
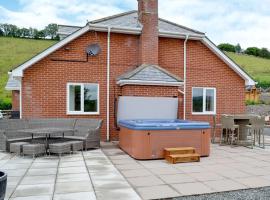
(111, 174)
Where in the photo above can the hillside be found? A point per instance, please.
(14, 51)
(258, 68)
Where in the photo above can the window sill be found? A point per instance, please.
(83, 113)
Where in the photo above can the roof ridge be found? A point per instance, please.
(69, 25)
(112, 16)
(180, 26)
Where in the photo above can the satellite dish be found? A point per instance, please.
(93, 49)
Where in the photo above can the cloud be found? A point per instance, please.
(243, 21)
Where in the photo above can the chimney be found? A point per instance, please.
(148, 17)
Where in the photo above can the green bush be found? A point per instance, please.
(263, 84)
(5, 104)
(250, 102)
(226, 47)
(254, 51)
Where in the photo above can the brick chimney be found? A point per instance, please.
(148, 17)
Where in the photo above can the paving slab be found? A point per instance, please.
(41, 172)
(192, 188)
(33, 190)
(253, 182)
(145, 181)
(72, 170)
(225, 185)
(117, 194)
(177, 178)
(157, 192)
(73, 187)
(72, 177)
(32, 198)
(136, 173)
(75, 196)
(32, 180)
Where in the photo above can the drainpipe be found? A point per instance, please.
(108, 83)
(185, 73)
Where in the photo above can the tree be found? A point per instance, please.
(252, 51)
(264, 53)
(1, 32)
(226, 47)
(238, 48)
(51, 30)
(25, 32)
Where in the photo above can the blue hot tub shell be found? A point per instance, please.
(175, 124)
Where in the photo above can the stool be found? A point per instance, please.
(76, 145)
(34, 149)
(60, 148)
(17, 147)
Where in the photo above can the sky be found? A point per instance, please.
(232, 21)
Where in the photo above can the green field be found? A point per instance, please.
(258, 68)
(14, 51)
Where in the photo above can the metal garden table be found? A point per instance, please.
(242, 120)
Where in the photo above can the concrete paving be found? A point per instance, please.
(82, 176)
(109, 173)
(226, 169)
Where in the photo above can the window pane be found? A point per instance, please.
(197, 99)
(90, 98)
(210, 98)
(74, 98)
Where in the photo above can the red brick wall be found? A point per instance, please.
(15, 100)
(44, 84)
(148, 17)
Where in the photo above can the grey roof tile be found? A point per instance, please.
(12, 83)
(150, 73)
(130, 20)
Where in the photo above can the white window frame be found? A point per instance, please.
(204, 101)
(82, 99)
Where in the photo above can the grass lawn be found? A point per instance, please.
(258, 68)
(14, 51)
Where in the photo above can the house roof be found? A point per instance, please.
(128, 24)
(12, 83)
(150, 74)
(130, 20)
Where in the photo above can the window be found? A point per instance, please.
(203, 100)
(83, 98)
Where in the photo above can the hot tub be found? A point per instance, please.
(146, 139)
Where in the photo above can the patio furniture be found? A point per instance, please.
(214, 129)
(60, 148)
(256, 129)
(34, 149)
(242, 120)
(25, 130)
(76, 145)
(88, 131)
(10, 132)
(17, 147)
(231, 130)
(47, 132)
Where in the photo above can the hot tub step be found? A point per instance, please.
(180, 150)
(182, 158)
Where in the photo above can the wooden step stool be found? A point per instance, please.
(181, 155)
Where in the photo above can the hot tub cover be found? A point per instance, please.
(175, 124)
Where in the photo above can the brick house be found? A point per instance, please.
(141, 56)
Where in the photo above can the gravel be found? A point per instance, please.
(250, 194)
